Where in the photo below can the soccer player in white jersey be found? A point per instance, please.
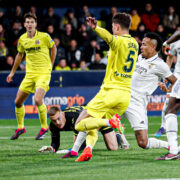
(148, 72)
(172, 109)
(174, 53)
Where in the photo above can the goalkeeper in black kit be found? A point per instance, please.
(64, 120)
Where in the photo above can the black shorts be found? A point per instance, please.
(105, 130)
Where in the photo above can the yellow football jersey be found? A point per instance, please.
(37, 50)
(122, 58)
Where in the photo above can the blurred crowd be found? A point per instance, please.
(78, 47)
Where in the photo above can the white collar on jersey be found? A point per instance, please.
(152, 58)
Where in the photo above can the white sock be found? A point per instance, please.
(154, 143)
(163, 120)
(171, 129)
(108, 123)
(81, 137)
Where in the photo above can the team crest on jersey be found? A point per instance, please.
(37, 42)
(150, 66)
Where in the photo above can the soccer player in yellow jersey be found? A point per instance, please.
(114, 95)
(39, 61)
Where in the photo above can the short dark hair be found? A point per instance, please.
(123, 19)
(156, 37)
(30, 15)
(53, 109)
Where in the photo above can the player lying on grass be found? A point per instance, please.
(65, 121)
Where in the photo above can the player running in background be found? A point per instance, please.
(65, 121)
(115, 92)
(149, 70)
(172, 109)
(173, 56)
(39, 61)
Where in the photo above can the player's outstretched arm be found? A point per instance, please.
(17, 62)
(103, 33)
(53, 54)
(169, 60)
(173, 38)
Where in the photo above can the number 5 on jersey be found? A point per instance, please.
(131, 60)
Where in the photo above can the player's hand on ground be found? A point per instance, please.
(166, 50)
(163, 86)
(91, 22)
(46, 149)
(63, 151)
(10, 77)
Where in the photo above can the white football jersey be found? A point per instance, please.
(147, 74)
(175, 51)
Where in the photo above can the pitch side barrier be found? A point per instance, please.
(66, 89)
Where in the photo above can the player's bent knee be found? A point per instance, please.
(142, 144)
(77, 127)
(38, 101)
(80, 127)
(18, 104)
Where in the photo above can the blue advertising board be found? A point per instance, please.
(67, 89)
(65, 97)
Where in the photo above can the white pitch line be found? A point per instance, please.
(14, 127)
(161, 179)
(125, 124)
(26, 137)
(32, 137)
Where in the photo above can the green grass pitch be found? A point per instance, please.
(20, 159)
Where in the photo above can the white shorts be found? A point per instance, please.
(176, 90)
(136, 113)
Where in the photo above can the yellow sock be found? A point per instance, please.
(42, 110)
(91, 138)
(90, 123)
(20, 113)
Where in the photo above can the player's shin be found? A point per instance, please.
(91, 138)
(163, 120)
(42, 110)
(154, 143)
(171, 128)
(81, 137)
(20, 113)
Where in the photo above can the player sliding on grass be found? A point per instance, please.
(114, 95)
(149, 70)
(65, 121)
(36, 45)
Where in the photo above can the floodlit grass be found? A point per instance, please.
(20, 159)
